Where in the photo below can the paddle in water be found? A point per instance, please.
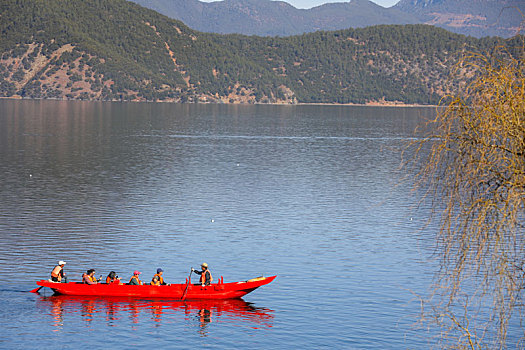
(187, 284)
(36, 289)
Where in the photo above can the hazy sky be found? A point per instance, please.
(306, 4)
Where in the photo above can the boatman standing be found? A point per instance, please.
(206, 277)
(58, 275)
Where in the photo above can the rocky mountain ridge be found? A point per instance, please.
(478, 18)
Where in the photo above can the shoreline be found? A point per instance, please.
(372, 104)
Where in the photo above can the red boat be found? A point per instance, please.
(181, 291)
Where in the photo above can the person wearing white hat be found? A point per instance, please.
(206, 277)
(58, 275)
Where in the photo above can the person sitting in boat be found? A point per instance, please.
(89, 277)
(157, 279)
(58, 275)
(135, 281)
(206, 277)
(112, 278)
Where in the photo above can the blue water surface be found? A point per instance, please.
(312, 194)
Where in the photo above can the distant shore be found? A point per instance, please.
(371, 104)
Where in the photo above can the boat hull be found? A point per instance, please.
(173, 291)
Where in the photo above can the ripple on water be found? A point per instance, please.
(310, 194)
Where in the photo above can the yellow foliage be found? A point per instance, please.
(471, 162)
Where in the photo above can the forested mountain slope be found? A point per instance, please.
(479, 18)
(271, 18)
(117, 50)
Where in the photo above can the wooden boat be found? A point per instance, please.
(183, 291)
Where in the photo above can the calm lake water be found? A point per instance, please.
(312, 194)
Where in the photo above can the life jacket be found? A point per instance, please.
(139, 281)
(203, 276)
(92, 278)
(160, 280)
(57, 273)
(112, 281)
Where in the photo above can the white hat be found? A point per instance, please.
(61, 262)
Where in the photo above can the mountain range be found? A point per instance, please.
(118, 50)
(478, 18)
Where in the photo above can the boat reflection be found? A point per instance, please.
(114, 309)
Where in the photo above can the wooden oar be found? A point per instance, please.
(187, 285)
(36, 289)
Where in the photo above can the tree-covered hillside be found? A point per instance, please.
(479, 18)
(117, 50)
(272, 18)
